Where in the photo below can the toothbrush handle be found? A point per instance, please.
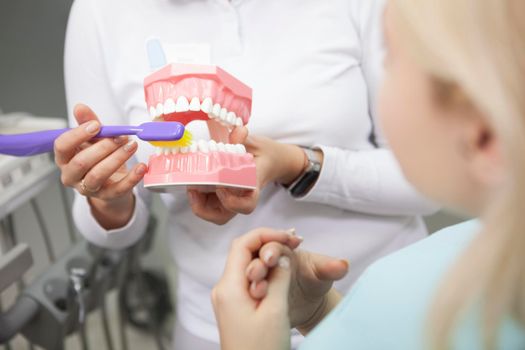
(21, 145)
(29, 144)
(118, 130)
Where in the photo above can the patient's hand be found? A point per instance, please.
(311, 295)
(244, 322)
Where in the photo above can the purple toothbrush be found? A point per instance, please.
(21, 145)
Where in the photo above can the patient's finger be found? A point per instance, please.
(243, 248)
(272, 251)
(257, 270)
(258, 290)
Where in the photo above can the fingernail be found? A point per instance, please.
(346, 262)
(268, 256)
(120, 140)
(284, 262)
(129, 146)
(300, 238)
(253, 285)
(291, 231)
(141, 170)
(92, 127)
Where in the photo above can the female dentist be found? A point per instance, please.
(314, 67)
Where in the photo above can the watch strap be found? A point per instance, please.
(309, 176)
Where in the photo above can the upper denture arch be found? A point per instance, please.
(185, 92)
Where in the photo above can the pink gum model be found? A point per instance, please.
(188, 92)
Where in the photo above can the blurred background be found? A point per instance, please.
(31, 83)
(32, 39)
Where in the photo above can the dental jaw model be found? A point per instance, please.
(191, 92)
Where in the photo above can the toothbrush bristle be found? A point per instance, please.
(185, 141)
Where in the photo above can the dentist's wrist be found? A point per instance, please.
(113, 214)
(294, 162)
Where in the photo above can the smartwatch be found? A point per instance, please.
(300, 187)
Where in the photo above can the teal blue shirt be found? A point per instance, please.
(388, 306)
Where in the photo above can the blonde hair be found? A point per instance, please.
(478, 46)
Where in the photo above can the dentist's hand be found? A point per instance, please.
(275, 162)
(97, 169)
(244, 322)
(311, 296)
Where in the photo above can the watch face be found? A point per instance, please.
(309, 177)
